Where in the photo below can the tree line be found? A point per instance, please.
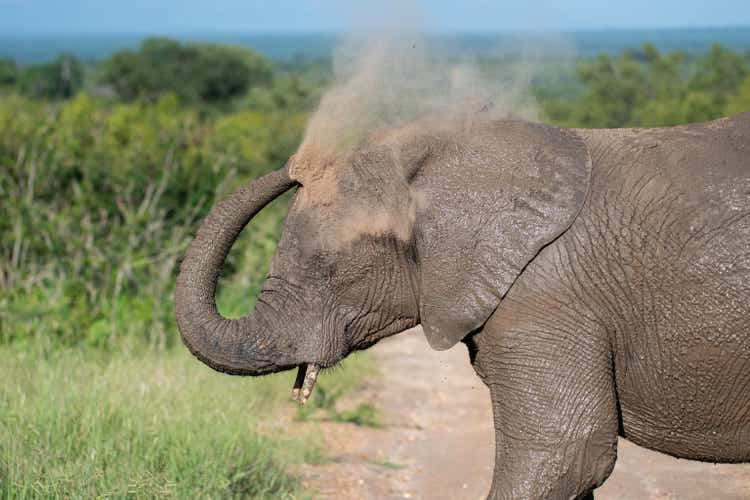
(192, 71)
(647, 88)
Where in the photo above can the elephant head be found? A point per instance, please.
(424, 223)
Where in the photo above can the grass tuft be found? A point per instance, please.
(387, 464)
(364, 415)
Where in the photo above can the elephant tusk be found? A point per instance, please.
(310, 377)
(307, 374)
(298, 381)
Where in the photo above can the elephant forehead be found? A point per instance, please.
(357, 194)
(342, 219)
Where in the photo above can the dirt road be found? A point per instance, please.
(437, 442)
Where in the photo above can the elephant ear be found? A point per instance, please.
(492, 200)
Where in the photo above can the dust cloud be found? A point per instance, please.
(390, 77)
(397, 74)
(387, 80)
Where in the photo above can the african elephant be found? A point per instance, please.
(599, 278)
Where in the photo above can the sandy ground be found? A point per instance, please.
(437, 442)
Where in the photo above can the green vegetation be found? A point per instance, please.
(364, 415)
(101, 202)
(81, 423)
(645, 88)
(105, 172)
(100, 196)
(194, 72)
(8, 72)
(387, 464)
(62, 78)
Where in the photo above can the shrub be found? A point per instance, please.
(194, 72)
(60, 79)
(100, 202)
(8, 72)
(648, 88)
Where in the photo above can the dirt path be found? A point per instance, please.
(437, 442)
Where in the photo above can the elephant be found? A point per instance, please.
(599, 279)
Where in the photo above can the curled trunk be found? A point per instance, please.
(243, 346)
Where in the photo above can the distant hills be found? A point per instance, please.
(287, 47)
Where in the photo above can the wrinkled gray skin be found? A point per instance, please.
(600, 279)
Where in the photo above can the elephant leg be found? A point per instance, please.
(555, 411)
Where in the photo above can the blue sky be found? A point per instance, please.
(175, 16)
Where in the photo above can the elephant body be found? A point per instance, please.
(599, 278)
(635, 321)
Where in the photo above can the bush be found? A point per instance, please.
(100, 202)
(8, 72)
(647, 88)
(60, 79)
(194, 72)
(740, 102)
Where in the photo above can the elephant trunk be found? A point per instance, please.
(243, 346)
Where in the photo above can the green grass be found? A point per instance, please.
(387, 464)
(364, 415)
(83, 424)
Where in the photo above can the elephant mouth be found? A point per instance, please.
(307, 374)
